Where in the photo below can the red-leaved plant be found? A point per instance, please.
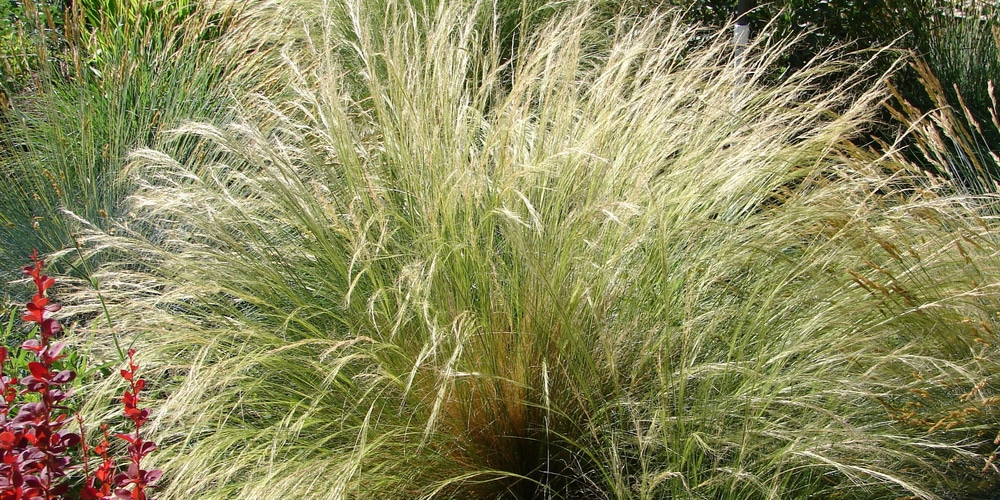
(34, 447)
(98, 487)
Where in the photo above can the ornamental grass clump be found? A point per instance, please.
(614, 267)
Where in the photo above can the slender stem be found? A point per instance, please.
(104, 306)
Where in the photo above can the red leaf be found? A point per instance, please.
(33, 384)
(131, 437)
(153, 476)
(90, 493)
(8, 440)
(147, 448)
(64, 377)
(38, 370)
(138, 416)
(54, 351)
(51, 326)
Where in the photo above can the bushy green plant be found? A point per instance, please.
(66, 141)
(948, 138)
(630, 271)
(36, 36)
(953, 126)
(953, 40)
(935, 29)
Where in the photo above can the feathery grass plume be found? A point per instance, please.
(952, 119)
(631, 273)
(949, 139)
